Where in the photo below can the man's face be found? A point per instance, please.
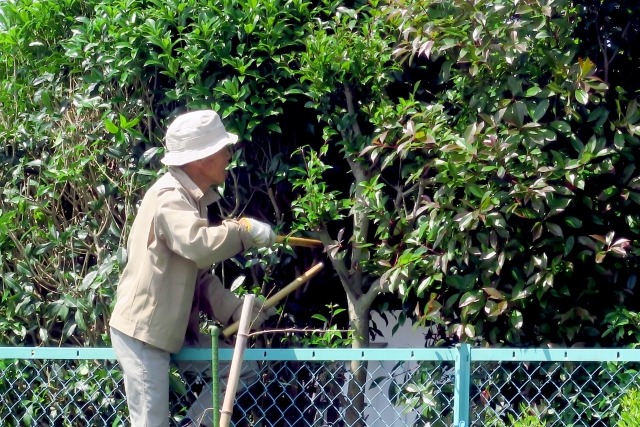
(214, 167)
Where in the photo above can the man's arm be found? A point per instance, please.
(186, 233)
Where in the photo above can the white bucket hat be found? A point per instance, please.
(194, 136)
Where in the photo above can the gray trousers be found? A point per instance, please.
(146, 381)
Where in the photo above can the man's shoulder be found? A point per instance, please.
(166, 183)
(168, 190)
(164, 190)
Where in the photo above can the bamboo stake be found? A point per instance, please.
(280, 295)
(299, 241)
(236, 362)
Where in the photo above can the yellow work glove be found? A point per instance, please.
(260, 232)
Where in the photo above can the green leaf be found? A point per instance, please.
(554, 229)
(320, 317)
(445, 72)
(573, 222)
(532, 91)
(274, 127)
(110, 126)
(536, 231)
(520, 112)
(469, 330)
(516, 319)
(148, 155)
(540, 110)
(618, 140)
(562, 127)
(582, 96)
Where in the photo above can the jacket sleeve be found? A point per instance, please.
(214, 300)
(189, 235)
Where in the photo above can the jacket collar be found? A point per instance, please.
(207, 198)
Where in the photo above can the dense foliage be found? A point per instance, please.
(529, 186)
(476, 159)
(473, 163)
(630, 408)
(87, 92)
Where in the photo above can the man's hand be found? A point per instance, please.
(259, 313)
(260, 232)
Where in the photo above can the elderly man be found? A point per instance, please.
(171, 248)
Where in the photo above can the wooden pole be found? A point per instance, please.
(299, 241)
(236, 362)
(280, 295)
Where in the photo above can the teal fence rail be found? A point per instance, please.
(458, 387)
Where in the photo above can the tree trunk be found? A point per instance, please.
(359, 316)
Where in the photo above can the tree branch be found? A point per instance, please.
(338, 264)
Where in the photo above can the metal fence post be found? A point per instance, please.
(462, 385)
(215, 374)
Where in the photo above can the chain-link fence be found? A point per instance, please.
(335, 387)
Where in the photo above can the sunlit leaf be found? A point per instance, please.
(582, 96)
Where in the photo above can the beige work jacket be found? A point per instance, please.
(171, 247)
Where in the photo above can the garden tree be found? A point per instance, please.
(498, 194)
(502, 190)
(345, 70)
(528, 188)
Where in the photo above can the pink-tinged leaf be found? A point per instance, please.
(368, 148)
(609, 237)
(409, 129)
(432, 308)
(494, 293)
(469, 331)
(459, 329)
(582, 313)
(623, 243)
(496, 309)
(618, 251)
(450, 147)
(502, 307)
(469, 298)
(374, 155)
(425, 49)
(399, 51)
